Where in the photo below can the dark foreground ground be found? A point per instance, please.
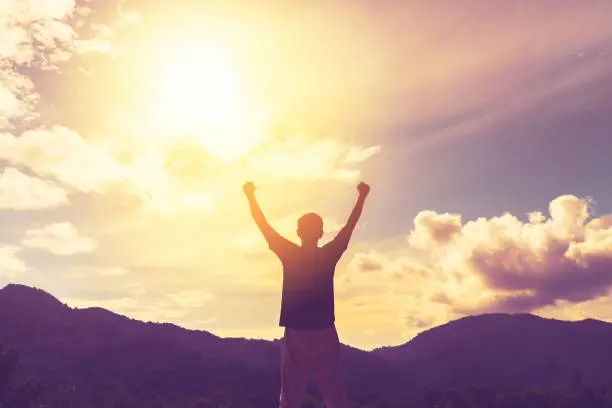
(57, 356)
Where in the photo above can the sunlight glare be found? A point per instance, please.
(199, 87)
(200, 98)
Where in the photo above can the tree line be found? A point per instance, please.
(237, 390)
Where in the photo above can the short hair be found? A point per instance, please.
(310, 221)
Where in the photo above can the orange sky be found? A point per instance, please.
(127, 129)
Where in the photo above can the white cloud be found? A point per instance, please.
(299, 158)
(16, 95)
(556, 265)
(32, 33)
(59, 239)
(190, 298)
(31, 28)
(505, 264)
(127, 18)
(358, 155)
(10, 265)
(85, 272)
(182, 307)
(95, 46)
(19, 191)
(32, 10)
(114, 272)
(61, 153)
(431, 227)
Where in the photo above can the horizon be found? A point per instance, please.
(128, 128)
(276, 339)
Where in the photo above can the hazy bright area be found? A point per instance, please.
(128, 127)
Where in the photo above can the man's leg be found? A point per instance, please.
(327, 371)
(295, 369)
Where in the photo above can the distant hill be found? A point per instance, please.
(89, 348)
(81, 346)
(513, 350)
(36, 322)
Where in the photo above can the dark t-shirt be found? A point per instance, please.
(308, 282)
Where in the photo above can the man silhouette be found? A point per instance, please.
(310, 343)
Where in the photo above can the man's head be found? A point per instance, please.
(310, 228)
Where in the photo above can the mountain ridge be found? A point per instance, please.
(93, 345)
(513, 350)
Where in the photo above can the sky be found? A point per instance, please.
(128, 127)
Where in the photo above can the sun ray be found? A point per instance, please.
(200, 98)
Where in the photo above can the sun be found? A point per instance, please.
(200, 96)
(200, 88)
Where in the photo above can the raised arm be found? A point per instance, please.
(274, 239)
(344, 236)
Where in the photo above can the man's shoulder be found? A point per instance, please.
(338, 244)
(328, 245)
(284, 248)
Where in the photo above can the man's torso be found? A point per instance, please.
(308, 287)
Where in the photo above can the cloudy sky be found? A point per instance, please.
(127, 128)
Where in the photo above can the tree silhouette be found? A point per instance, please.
(227, 386)
(15, 391)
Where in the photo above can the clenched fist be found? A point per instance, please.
(363, 189)
(249, 188)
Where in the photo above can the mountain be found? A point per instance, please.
(38, 323)
(93, 345)
(514, 350)
(93, 349)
